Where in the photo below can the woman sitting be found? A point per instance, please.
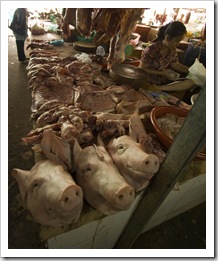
(160, 60)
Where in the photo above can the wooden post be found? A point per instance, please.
(190, 139)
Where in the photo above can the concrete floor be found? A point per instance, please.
(185, 231)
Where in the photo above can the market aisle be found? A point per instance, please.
(22, 232)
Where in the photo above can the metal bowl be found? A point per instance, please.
(129, 74)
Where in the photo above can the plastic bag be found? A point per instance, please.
(83, 57)
(197, 73)
(57, 42)
(100, 51)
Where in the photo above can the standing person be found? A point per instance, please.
(160, 60)
(19, 26)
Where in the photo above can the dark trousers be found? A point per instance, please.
(20, 50)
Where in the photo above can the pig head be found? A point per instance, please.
(50, 193)
(103, 186)
(136, 166)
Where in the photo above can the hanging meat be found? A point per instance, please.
(83, 20)
(114, 24)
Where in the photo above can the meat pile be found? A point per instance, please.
(170, 124)
(96, 135)
(76, 99)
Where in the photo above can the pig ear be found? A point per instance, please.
(132, 133)
(109, 146)
(56, 149)
(100, 141)
(136, 127)
(21, 177)
(75, 151)
(132, 123)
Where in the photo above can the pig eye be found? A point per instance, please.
(120, 149)
(35, 184)
(88, 170)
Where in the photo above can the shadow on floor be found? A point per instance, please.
(186, 231)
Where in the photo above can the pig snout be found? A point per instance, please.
(71, 197)
(124, 197)
(150, 164)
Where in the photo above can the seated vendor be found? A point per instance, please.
(160, 60)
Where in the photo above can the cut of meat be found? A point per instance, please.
(141, 106)
(68, 130)
(170, 124)
(103, 81)
(83, 79)
(95, 101)
(69, 17)
(130, 95)
(74, 66)
(127, 23)
(113, 128)
(104, 20)
(83, 20)
(61, 93)
(87, 88)
(152, 145)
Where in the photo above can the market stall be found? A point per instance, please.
(43, 116)
(75, 104)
